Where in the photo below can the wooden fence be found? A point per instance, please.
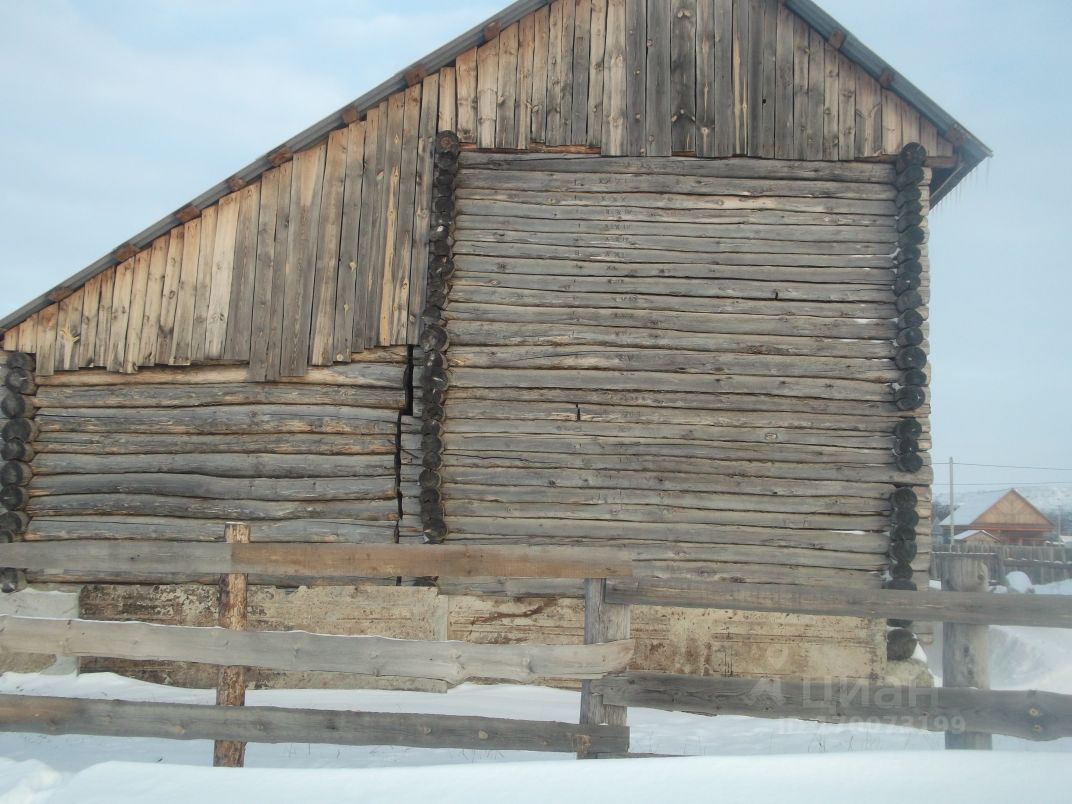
(968, 715)
(1042, 564)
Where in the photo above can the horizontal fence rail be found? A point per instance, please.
(313, 560)
(453, 662)
(978, 608)
(263, 724)
(1030, 715)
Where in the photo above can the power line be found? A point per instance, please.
(1018, 483)
(1005, 466)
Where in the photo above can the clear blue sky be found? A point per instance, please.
(117, 112)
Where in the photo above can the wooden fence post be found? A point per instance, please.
(603, 622)
(231, 685)
(966, 648)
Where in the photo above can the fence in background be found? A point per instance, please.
(1043, 564)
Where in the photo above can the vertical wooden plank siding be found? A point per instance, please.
(683, 52)
(102, 345)
(784, 128)
(169, 295)
(209, 217)
(597, 54)
(615, 127)
(891, 122)
(846, 110)
(526, 46)
(768, 80)
(47, 324)
(69, 332)
(326, 279)
(580, 71)
(487, 59)
(60, 343)
(816, 96)
(448, 100)
(154, 292)
(260, 322)
(370, 257)
(180, 353)
(305, 195)
(831, 105)
(280, 261)
(137, 310)
(636, 31)
(553, 130)
(540, 54)
(868, 114)
(396, 112)
(350, 238)
(465, 74)
(223, 254)
(742, 55)
(657, 91)
(725, 123)
(403, 248)
(422, 200)
(240, 304)
(506, 100)
(120, 314)
(87, 348)
(569, 23)
(705, 78)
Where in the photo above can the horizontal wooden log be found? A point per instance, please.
(611, 380)
(522, 316)
(631, 461)
(132, 444)
(828, 293)
(499, 222)
(1028, 715)
(167, 395)
(229, 466)
(603, 358)
(208, 530)
(209, 487)
(693, 246)
(54, 715)
(228, 420)
(522, 208)
(648, 200)
(973, 608)
(681, 166)
(365, 374)
(614, 253)
(468, 334)
(652, 398)
(380, 507)
(569, 265)
(591, 182)
(325, 560)
(453, 662)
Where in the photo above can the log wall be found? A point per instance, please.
(173, 454)
(692, 362)
(323, 255)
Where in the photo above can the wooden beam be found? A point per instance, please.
(966, 649)
(53, 715)
(1029, 715)
(979, 608)
(453, 662)
(321, 560)
(231, 681)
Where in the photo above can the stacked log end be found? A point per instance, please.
(910, 388)
(19, 429)
(433, 339)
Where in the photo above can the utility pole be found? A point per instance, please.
(952, 505)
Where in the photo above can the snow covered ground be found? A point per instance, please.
(731, 757)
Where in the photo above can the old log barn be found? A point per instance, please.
(649, 274)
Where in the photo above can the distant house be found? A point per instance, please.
(999, 517)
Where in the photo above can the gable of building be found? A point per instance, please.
(317, 250)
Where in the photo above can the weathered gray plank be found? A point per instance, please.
(53, 715)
